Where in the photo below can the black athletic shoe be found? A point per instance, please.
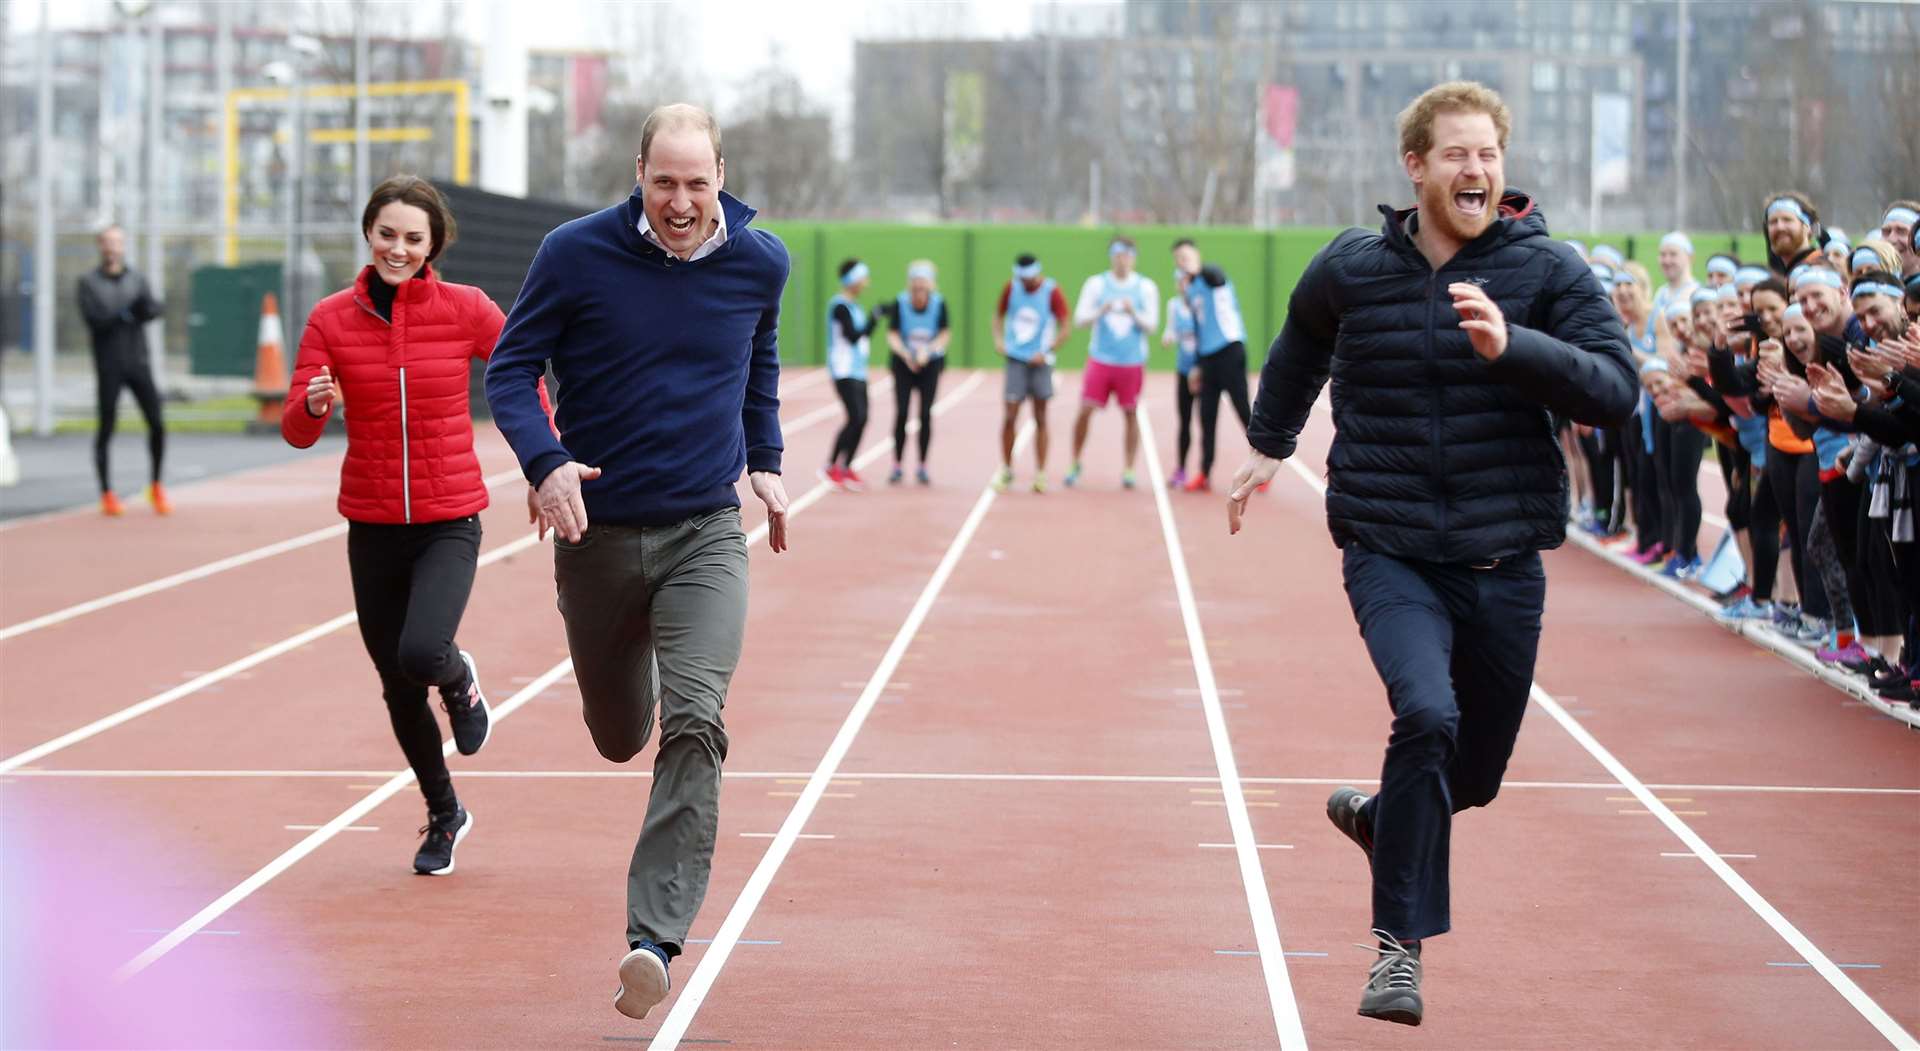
(1890, 675)
(1343, 809)
(443, 832)
(1393, 982)
(467, 711)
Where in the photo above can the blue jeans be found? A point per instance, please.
(1455, 647)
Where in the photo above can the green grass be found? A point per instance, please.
(225, 415)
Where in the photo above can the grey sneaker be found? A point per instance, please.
(1393, 982)
(1343, 809)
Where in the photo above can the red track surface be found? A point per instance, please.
(1016, 855)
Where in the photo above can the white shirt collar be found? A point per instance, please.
(707, 247)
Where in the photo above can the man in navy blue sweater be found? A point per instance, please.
(659, 317)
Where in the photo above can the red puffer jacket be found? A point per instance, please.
(403, 387)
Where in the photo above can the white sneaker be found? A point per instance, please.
(643, 983)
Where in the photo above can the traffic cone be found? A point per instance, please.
(269, 367)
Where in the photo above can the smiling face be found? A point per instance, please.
(1799, 339)
(1881, 316)
(400, 239)
(680, 180)
(1827, 308)
(1674, 264)
(1771, 307)
(1459, 180)
(1786, 234)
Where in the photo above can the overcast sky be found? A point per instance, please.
(728, 36)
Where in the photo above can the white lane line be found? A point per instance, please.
(773, 835)
(201, 572)
(349, 828)
(258, 657)
(800, 777)
(1875, 1015)
(315, 839)
(492, 482)
(1266, 931)
(381, 793)
(1236, 846)
(1864, 1004)
(674, 1026)
(1691, 854)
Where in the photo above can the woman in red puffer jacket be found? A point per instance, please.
(394, 351)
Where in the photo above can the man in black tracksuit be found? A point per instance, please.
(1450, 336)
(116, 302)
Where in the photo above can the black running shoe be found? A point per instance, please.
(443, 832)
(1343, 809)
(467, 711)
(1890, 675)
(1393, 983)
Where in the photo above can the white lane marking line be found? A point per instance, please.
(161, 930)
(293, 642)
(1864, 1004)
(349, 828)
(1762, 635)
(674, 1026)
(394, 784)
(314, 840)
(1690, 854)
(187, 576)
(799, 777)
(1236, 846)
(1860, 1001)
(1266, 931)
(770, 835)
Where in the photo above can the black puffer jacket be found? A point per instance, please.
(1439, 455)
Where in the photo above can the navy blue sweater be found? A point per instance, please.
(669, 371)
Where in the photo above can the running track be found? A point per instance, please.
(1020, 771)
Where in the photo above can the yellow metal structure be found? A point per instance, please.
(462, 134)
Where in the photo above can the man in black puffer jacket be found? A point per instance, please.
(1450, 336)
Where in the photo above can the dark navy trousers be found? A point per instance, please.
(1455, 646)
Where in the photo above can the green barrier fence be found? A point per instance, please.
(976, 261)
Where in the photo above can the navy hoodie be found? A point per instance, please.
(669, 371)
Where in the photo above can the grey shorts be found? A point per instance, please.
(1028, 380)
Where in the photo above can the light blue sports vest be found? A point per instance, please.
(1117, 340)
(1030, 325)
(1216, 315)
(1184, 336)
(918, 327)
(846, 361)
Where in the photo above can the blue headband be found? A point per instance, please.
(1838, 237)
(1816, 276)
(1679, 308)
(1704, 295)
(1678, 240)
(1868, 254)
(1904, 216)
(1579, 247)
(1120, 248)
(1795, 310)
(1727, 293)
(1876, 288)
(1748, 276)
(854, 276)
(1720, 264)
(1916, 237)
(920, 270)
(1028, 272)
(1609, 255)
(1789, 206)
(1604, 273)
(1624, 277)
(1913, 281)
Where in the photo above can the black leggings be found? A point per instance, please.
(1183, 404)
(1736, 473)
(1678, 460)
(1223, 371)
(410, 587)
(1643, 484)
(1864, 556)
(905, 382)
(846, 444)
(1763, 532)
(1794, 479)
(136, 377)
